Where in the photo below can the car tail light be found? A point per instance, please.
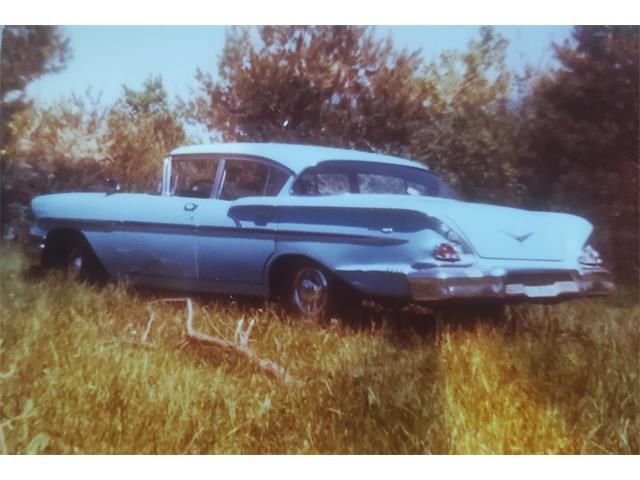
(446, 252)
(590, 256)
(448, 233)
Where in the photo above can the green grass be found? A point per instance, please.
(75, 379)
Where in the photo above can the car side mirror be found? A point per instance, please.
(112, 186)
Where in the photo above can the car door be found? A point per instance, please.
(237, 229)
(158, 232)
(157, 241)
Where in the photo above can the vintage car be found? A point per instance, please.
(313, 226)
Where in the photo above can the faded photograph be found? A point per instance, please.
(319, 240)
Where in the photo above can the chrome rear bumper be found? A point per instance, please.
(452, 283)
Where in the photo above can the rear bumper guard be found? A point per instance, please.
(448, 284)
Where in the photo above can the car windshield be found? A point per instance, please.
(337, 177)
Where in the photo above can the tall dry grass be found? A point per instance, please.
(75, 379)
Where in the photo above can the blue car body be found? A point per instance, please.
(382, 239)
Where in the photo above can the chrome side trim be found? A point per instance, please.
(210, 230)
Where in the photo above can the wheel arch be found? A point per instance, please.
(279, 265)
(61, 239)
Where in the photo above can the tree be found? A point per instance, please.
(55, 149)
(67, 130)
(141, 129)
(471, 138)
(332, 85)
(76, 142)
(584, 143)
(28, 52)
(341, 86)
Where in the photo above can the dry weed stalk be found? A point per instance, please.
(240, 345)
(3, 444)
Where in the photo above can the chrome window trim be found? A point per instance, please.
(221, 176)
(266, 184)
(166, 177)
(218, 180)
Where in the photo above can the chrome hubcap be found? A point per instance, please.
(74, 267)
(310, 291)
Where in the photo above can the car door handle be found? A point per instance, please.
(190, 207)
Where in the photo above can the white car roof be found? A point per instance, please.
(294, 157)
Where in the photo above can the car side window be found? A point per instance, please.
(375, 183)
(193, 178)
(332, 183)
(246, 178)
(334, 177)
(275, 182)
(314, 183)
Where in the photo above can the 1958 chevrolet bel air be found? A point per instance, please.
(307, 224)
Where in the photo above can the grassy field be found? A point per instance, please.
(75, 378)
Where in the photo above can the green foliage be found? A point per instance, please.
(141, 129)
(76, 379)
(66, 131)
(584, 138)
(75, 143)
(28, 52)
(57, 148)
(470, 139)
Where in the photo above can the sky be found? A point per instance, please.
(107, 57)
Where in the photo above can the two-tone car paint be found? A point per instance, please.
(380, 244)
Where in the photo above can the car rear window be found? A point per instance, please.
(336, 177)
(375, 183)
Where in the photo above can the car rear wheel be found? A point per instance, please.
(309, 292)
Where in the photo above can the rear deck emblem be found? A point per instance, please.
(520, 238)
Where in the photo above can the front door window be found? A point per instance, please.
(193, 178)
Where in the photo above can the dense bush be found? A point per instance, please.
(76, 144)
(583, 138)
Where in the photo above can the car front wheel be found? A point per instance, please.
(76, 259)
(76, 264)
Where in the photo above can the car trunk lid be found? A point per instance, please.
(497, 232)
